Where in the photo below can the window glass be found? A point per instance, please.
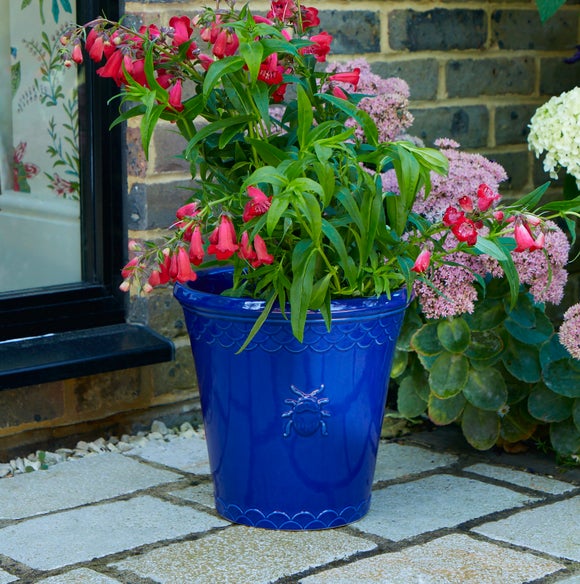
(40, 233)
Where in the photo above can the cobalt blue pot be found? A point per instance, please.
(292, 428)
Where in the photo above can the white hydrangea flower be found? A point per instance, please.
(555, 129)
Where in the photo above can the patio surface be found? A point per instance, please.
(441, 513)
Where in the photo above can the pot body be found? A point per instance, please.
(292, 428)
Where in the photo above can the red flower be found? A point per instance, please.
(338, 92)
(196, 251)
(270, 72)
(175, 96)
(320, 47)
(282, 10)
(189, 210)
(422, 262)
(263, 257)
(465, 230)
(452, 216)
(223, 240)
(129, 267)
(113, 67)
(466, 203)
(309, 17)
(351, 77)
(485, 197)
(184, 271)
(278, 93)
(77, 54)
(525, 238)
(246, 251)
(258, 205)
(226, 44)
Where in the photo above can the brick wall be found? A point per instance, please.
(477, 70)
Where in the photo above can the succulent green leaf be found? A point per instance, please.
(426, 341)
(449, 374)
(548, 406)
(565, 437)
(409, 402)
(576, 413)
(537, 334)
(400, 361)
(552, 351)
(517, 424)
(481, 428)
(523, 313)
(484, 346)
(411, 324)
(563, 377)
(445, 411)
(488, 314)
(454, 334)
(486, 389)
(522, 360)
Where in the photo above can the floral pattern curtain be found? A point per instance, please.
(40, 128)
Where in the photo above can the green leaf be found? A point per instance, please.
(522, 360)
(305, 116)
(448, 375)
(149, 121)
(486, 389)
(565, 437)
(490, 248)
(445, 411)
(259, 322)
(320, 292)
(409, 403)
(484, 345)
(531, 200)
(303, 264)
(481, 428)
(338, 243)
(216, 128)
(576, 413)
(563, 377)
(517, 424)
(411, 324)
(253, 55)
(547, 405)
(268, 153)
(535, 335)
(488, 314)
(454, 334)
(400, 361)
(426, 341)
(547, 8)
(218, 69)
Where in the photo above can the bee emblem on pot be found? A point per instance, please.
(306, 415)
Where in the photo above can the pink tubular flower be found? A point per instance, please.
(486, 197)
(188, 210)
(258, 205)
(196, 251)
(283, 10)
(270, 72)
(465, 230)
(309, 17)
(223, 240)
(77, 54)
(525, 239)
(113, 67)
(422, 262)
(452, 216)
(175, 96)
(184, 271)
(466, 203)
(246, 251)
(226, 43)
(338, 92)
(263, 257)
(351, 77)
(320, 47)
(569, 332)
(129, 268)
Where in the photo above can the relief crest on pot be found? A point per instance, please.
(306, 415)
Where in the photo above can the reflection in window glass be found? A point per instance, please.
(40, 239)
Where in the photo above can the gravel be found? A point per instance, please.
(42, 459)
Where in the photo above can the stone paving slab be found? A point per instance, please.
(521, 478)
(185, 454)
(553, 529)
(575, 579)
(244, 555)
(77, 482)
(80, 576)
(79, 535)
(404, 510)
(202, 494)
(5, 577)
(453, 559)
(396, 461)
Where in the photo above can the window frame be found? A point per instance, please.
(97, 300)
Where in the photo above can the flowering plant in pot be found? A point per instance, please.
(293, 340)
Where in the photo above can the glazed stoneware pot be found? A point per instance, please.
(292, 428)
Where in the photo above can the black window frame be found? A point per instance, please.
(96, 304)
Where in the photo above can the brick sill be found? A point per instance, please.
(79, 353)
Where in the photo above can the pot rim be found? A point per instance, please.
(201, 296)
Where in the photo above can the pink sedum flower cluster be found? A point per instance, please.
(387, 102)
(569, 333)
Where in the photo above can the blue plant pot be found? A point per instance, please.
(292, 428)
